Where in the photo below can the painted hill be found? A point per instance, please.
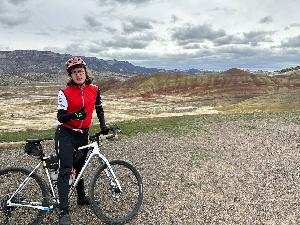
(233, 82)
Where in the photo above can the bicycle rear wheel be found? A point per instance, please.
(33, 193)
(110, 205)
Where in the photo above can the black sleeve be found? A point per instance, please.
(100, 115)
(98, 98)
(63, 116)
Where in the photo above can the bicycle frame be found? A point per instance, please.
(109, 172)
(94, 150)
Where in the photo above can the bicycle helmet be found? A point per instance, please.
(73, 62)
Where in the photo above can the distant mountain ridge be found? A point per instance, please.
(45, 65)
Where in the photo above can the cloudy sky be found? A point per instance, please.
(182, 34)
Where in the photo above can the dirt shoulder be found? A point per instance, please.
(228, 172)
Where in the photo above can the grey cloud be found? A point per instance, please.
(136, 24)
(292, 25)
(252, 38)
(295, 25)
(135, 42)
(110, 29)
(223, 9)
(220, 58)
(11, 6)
(266, 19)
(93, 24)
(174, 18)
(42, 33)
(96, 47)
(229, 39)
(17, 2)
(4, 7)
(12, 14)
(230, 52)
(134, 2)
(234, 56)
(195, 34)
(14, 20)
(125, 43)
(188, 35)
(71, 30)
(293, 42)
(192, 46)
(92, 21)
(243, 51)
(76, 48)
(208, 59)
(255, 37)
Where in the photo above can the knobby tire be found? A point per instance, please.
(116, 210)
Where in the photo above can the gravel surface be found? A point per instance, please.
(229, 172)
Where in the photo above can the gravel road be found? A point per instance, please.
(241, 171)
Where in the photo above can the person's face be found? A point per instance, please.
(78, 75)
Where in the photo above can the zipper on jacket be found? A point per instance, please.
(82, 96)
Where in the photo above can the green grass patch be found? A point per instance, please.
(176, 125)
(28, 134)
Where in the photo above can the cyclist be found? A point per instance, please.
(76, 104)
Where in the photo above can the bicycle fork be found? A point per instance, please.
(109, 171)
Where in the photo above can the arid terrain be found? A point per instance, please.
(32, 105)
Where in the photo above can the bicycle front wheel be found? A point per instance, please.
(109, 203)
(33, 193)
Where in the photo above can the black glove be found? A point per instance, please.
(80, 115)
(104, 130)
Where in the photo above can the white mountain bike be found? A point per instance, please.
(115, 190)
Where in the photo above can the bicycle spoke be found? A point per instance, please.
(109, 202)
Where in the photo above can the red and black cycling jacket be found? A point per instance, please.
(75, 98)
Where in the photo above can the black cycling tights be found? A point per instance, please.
(66, 142)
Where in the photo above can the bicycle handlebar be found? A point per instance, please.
(96, 137)
(114, 129)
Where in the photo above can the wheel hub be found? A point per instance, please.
(3, 205)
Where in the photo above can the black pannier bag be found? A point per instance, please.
(33, 147)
